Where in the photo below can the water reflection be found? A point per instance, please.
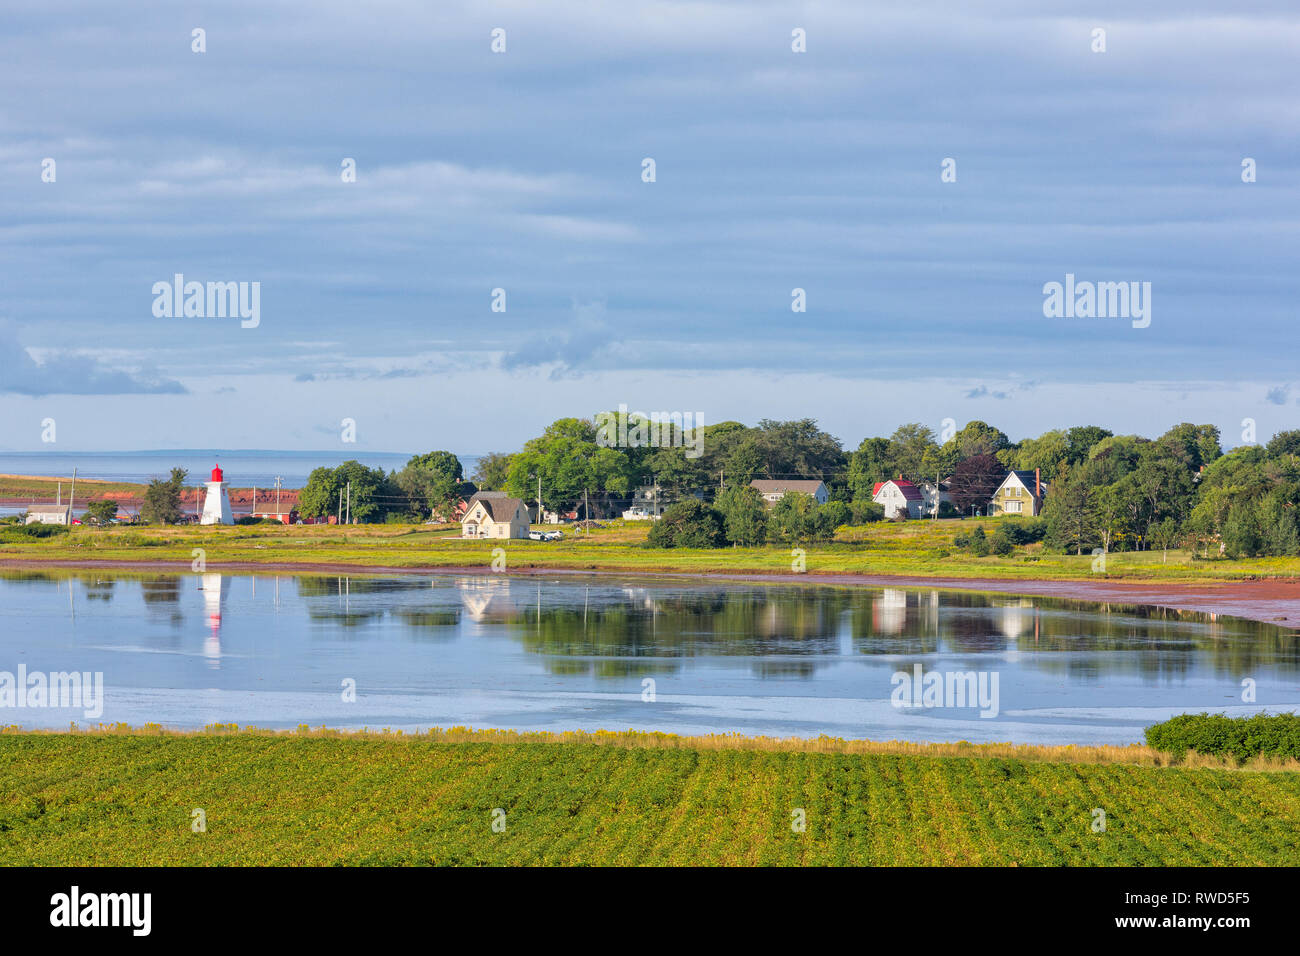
(800, 652)
(215, 588)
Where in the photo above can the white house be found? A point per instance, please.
(495, 518)
(773, 490)
(932, 496)
(49, 514)
(648, 502)
(898, 496)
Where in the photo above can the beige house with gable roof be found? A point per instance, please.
(495, 518)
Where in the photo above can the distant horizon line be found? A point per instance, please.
(213, 451)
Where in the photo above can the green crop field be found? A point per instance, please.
(130, 799)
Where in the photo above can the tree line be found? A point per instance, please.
(1115, 492)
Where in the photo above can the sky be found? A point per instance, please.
(523, 171)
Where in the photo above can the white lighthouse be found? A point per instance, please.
(216, 506)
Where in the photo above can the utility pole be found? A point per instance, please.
(586, 508)
(278, 479)
(349, 521)
(72, 497)
(340, 506)
(539, 497)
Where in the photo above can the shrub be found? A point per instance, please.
(830, 516)
(947, 510)
(687, 524)
(1276, 735)
(1023, 530)
(36, 530)
(1001, 543)
(865, 512)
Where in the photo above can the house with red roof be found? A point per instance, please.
(898, 496)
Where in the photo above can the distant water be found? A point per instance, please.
(242, 467)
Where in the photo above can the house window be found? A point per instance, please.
(1013, 507)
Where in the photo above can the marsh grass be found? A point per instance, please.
(920, 548)
(1132, 755)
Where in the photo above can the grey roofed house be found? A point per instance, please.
(495, 518)
(501, 508)
(49, 514)
(774, 489)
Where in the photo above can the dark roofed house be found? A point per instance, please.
(1021, 493)
(774, 489)
(897, 495)
(495, 518)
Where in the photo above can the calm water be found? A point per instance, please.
(242, 468)
(574, 652)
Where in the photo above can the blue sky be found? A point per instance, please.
(522, 170)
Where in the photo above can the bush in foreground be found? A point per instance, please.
(1276, 735)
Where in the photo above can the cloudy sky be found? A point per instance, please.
(522, 170)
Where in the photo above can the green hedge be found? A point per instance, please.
(36, 530)
(1276, 735)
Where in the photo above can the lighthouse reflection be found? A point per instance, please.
(215, 588)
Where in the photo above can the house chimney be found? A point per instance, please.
(1038, 483)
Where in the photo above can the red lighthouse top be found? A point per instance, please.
(216, 473)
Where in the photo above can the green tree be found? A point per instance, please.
(433, 482)
(491, 471)
(162, 499)
(798, 449)
(1080, 441)
(373, 494)
(1110, 513)
(1069, 512)
(102, 512)
(828, 517)
(320, 496)
(871, 463)
(570, 463)
(1241, 532)
(687, 524)
(744, 515)
(910, 447)
(1048, 452)
(1165, 534)
(793, 518)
